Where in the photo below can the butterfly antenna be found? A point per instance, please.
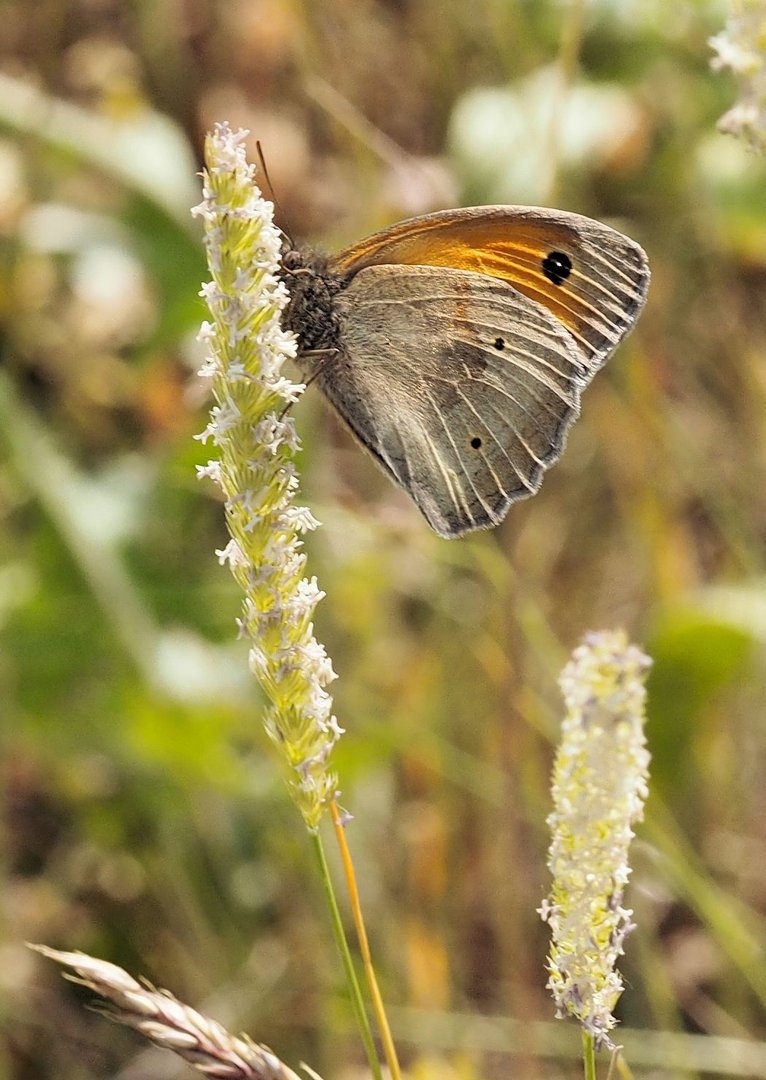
(270, 186)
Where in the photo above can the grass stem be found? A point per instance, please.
(355, 993)
(384, 1029)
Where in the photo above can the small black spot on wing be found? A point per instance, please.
(557, 266)
(476, 443)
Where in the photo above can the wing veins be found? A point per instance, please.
(532, 266)
(500, 485)
(516, 361)
(533, 456)
(530, 452)
(459, 504)
(459, 458)
(572, 407)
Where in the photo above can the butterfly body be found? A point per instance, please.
(456, 346)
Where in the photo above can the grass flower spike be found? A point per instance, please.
(599, 787)
(202, 1042)
(741, 48)
(257, 446)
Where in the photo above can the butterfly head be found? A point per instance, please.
(293, 261)
(311, 312)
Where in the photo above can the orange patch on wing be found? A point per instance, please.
(511, 250)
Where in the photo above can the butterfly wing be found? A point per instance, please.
(461, 387)
(590, 277)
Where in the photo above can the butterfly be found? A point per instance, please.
(456, 345)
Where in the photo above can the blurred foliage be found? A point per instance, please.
(145, 818)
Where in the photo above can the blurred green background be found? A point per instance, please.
(146, 820)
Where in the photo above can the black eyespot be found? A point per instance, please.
(499, 344)
(557, 266)
(476, 442)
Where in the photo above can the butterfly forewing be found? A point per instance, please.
(461, 387)
(590, 277)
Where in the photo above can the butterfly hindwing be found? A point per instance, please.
(460, 386)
